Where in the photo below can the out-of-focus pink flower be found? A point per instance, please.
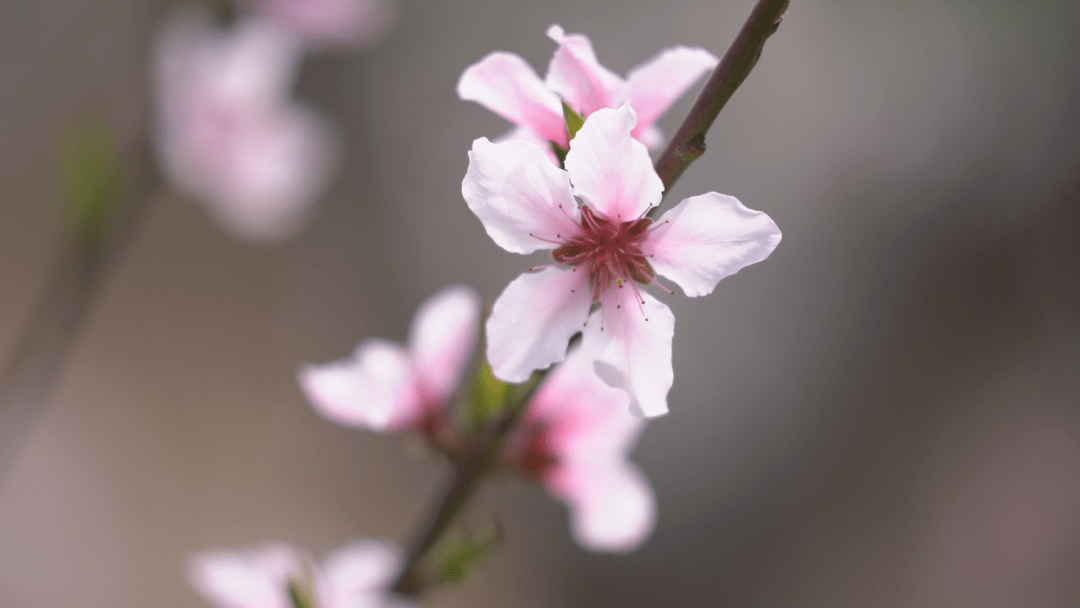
(332, 23)
(574, 438)
(357, 575)
(229, 133)
(602, 250)
(384, 386)
(505, 84)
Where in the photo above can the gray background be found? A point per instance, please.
(884, 413)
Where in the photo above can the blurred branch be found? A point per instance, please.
(478, 460)
(688, 143)
(79, 272)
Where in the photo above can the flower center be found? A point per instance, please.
(610, 252)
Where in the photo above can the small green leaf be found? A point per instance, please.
(90, 180)
(574, 121)
(300, 597)
(560, 152)
(488, 395)
(464, 552)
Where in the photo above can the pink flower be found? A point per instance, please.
(505, 84)
(355, 576)
(229, 134)
(384, 386)
(332, 23)
(574, 437)
(602, 249)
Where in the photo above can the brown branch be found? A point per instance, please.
(688, 142)
(80, 270)
(479, 459)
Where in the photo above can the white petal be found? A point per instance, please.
(374, 389)
(361, 567)
(533, 319)
(706, 238)
(524, 202)
(651, 136)
(576, 75)
(253, 579)
(612, 505)
(654, 85)
(630, 348)
(442, 337)
(611, 171)
(526, 134)
(508, 86)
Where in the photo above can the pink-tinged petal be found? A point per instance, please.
(508, 86)
(442, 337)
(587, 431)
(654, 85)
(523, 201)
(359, 569)
(651, 136)
(611, 171)
(229, 135)
(629, 343)
(258, 59)
(331, 23)
(252, 579)
(374, 389)
(706, 238)
(272, 174)
(533, 319)
(576, 75)
(526, 134)
(588, 419)
(253, 61)
(612, 505)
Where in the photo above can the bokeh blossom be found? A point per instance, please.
(507, 85)
(357, 575)
(385, 386)
(331, 23)
(229, 133)
(574, 438)
(603, 249)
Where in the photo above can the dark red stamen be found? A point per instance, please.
(611, 252)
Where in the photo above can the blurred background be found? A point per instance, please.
(884, 413)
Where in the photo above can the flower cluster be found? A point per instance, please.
(575, 178)
(573, 439)
(229, 133)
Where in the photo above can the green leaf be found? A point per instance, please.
(300, 597)
(574, 121)
(488, 395)
(90, 180)
(464, 552)
(560, 152)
